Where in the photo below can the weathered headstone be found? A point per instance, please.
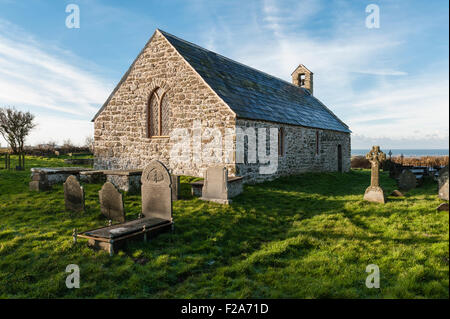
(374, 193)
(387, 165)
(443, 183)
(39, 182)
(407, 180)
(395, 170)
(215, 187)
(156, 211)
(73, 195)
(156, 191)
(111, 203)
(175, 187)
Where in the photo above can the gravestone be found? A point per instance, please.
(39, 182)
(73, 195)
(374, 193)
(387, 165)
(111, 203)
(156, 191)
(443, 183)
(395, 170)
(407, 180)
(215, 186)
(175, 187)
(156, 211)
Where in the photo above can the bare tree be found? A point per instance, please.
(67, 143)
(15, 126)
(89, 143)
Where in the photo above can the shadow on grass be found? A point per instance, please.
(264, 229)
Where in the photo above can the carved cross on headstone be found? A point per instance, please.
(375, 157)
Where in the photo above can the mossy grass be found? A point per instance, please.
(305, 236)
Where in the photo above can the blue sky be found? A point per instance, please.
(390, 84)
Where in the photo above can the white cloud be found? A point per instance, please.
(59, 129)
(48, 80)
(359, 73)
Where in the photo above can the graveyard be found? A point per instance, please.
(304, 236)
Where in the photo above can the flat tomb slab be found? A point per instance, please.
(92, 177)
(130, 172)
(230, 180)
(57, 175)
(126, 172)
(120, 230)
(60, 170)
(234, 186)
(92, 173)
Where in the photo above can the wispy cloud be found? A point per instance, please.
(46, 80)
(359, 73)
(377, 80)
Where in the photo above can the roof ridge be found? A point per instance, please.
(234, 61)
(170, 37)
(255, 104)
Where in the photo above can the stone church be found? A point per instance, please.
(176, 86)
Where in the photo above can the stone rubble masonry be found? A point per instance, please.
(300, 151)
(128, 183)
(120, 130)
(301, 69)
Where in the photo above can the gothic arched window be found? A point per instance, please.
(158, 114)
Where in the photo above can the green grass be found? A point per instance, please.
(306, 236)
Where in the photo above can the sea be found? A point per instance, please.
(405, 152)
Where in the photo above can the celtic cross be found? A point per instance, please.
(375, 157)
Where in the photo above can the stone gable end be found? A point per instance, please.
(120, 133)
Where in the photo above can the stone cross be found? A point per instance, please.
(374, 193)
(375, 157)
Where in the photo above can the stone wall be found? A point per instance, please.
(121, 130)
(127, 183)
(300, 151)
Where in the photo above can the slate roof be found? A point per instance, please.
(253, 94)
(256, 95)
